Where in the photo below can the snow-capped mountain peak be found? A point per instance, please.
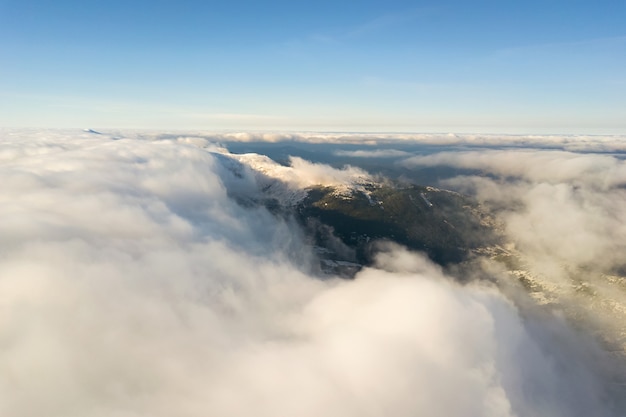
(289, 184)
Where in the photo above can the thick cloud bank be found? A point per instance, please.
(133, 284)
(572, 143)
(566, 214)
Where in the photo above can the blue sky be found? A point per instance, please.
(450, 66)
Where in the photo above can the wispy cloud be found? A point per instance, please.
(374, 26)
(234, 117)
(598, 44)
(387, 21)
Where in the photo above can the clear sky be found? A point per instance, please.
(454, 66)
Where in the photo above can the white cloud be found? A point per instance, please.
(133, 285)
(566, 213)
(572, 143)
(377, 153)
(571, 203)
(602, 171)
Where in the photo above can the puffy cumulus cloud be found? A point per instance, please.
(302, 174)
(311, 173)
(566, 214)
(133, 285)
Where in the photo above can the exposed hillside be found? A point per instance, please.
(345, 211)
(445, 225)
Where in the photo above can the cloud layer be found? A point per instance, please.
(566, 214)
(134, 285)
(572, 143)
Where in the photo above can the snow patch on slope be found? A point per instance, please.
(289, 184)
